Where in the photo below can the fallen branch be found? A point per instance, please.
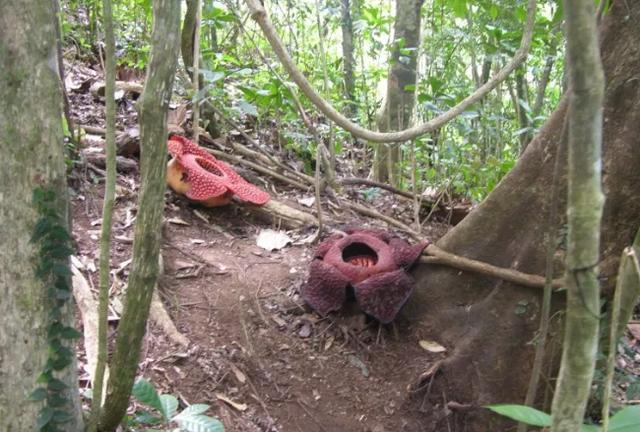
(89, 313)
(292, 217)
(388, 219)
(123, 164)
(259, 168)
(259, 155)
(372, 183)
(434, 255)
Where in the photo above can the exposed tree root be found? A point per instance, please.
(161, 318)
(435, 255)
(89, 314)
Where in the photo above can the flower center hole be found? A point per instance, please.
(359, 254)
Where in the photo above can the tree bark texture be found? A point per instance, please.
(400, 99)
(585, 201)
(32, 150)
(347, 57)
(147, 236)
(488, 325)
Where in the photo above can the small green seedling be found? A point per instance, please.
(625, 420)
(191, 419)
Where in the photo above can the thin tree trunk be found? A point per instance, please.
(107, 212)
(524, 117)
(187, 44)
(544, 82)
(32, 151)
(348, 58)
(585, 203)
(147, 236)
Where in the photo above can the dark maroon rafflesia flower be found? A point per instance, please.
(373, 262)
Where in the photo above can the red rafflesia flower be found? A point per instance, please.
(374, 263)
(201, 177)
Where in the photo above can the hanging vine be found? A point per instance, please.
(52, 238)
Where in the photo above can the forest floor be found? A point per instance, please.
(262, 359)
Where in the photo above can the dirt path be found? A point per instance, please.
(253, 341)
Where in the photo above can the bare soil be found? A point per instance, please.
(253, 341)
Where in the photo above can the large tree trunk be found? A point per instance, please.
(488, 325)
(32, 151)
(398, 109)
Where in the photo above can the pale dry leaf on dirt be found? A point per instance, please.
(359, 364)
(634, 329)
(272, 240)
(240, 376)
(178, 221)
(236, 405)
(307, 201)
(431, 346)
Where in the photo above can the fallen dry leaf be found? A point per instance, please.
(236, 405)
(634, 329)
(431, 346)
(308, 201)
(178, 221)
(272, 240)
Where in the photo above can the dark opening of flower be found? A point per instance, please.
(373, 263)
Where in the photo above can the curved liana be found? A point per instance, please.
(374, 263)
(199, 176)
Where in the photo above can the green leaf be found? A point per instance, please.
(61, 270)
(60, 416)
(192, 410)
(38, 394)
(169, 406)
(524, 414)
(56, 401)
(44, 417)
(40, 230)
(626, 420)
(144, 391)
(200, 423)
(146, 417)
(459, 8)
(248, 108)
(212, 76)
(70, 333)
(56, 385)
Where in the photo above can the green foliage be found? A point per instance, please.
(625, 420)
(470, 155)
(53, 241)
(191, 419)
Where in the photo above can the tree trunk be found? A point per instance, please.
(187, 43)
(398, 109)
(147, 236)
(584, 211)
(488, 325)
(347, 58)
(524, 116)
(32, 151)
